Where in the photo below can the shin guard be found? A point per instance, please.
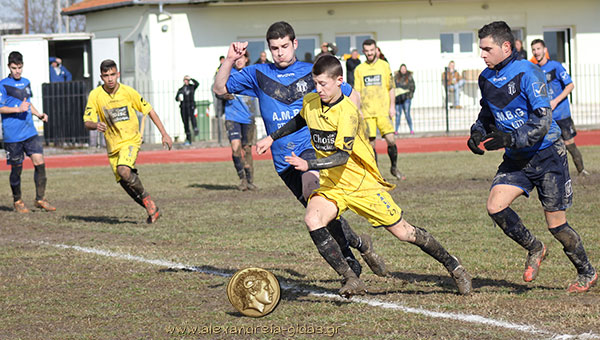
(15, 181)
(573, 247)
(427, 243)
(330, 250)
(238, 163)
(513, 227)
(39, 177)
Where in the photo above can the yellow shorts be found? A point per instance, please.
(383, 123)
(126, 155)
(379, 208)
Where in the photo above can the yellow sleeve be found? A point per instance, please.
(347, 127)
(358, 82)
(91, 114)
(391, 83)
(139, 103)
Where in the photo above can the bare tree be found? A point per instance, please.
(44, 15)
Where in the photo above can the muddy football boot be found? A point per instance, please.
(374, 261)
(243, 186)
(152, 209)
(352, 285)
(461, 278)
(583, 283)
(20, 207)
(396, 173)
(44, 205)
(532, 265)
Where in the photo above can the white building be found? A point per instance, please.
(161, 41)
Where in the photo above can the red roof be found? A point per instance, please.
(87, 6)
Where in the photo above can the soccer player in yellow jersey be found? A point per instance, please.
(374, 82)
(111, 109)
(349, 178)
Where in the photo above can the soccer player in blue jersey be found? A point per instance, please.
(559, 86)
(280, 87)
(20, 135)
(241, 130)
(516, 115)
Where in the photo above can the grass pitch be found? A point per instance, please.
(48, 292)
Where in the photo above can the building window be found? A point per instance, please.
(307, 45)
(255, 46)
(458, 42)
(347, 42)
(558, 43)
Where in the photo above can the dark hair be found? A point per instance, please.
(369, 42)
(107, 65)
(499, 31)
(538, 41)
(329, 64)
(247, 55)
(16, 58)
(280, 30)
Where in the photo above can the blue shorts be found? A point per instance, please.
(547, 170)
(15, 152)
(245, 132)
(567, 128)
(293, 178)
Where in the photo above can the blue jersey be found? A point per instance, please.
(279, 93)
(239, 109)
(16, 127)
(511, 93)
(557, 79)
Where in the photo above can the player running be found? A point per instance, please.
(559, 87)
(515, 115)
(349, 177)
(111, 109)
(20, 135)
(280, 87)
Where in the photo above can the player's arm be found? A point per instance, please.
(195, 83)
(568, 89)
(355, 98)
(336, 159)
(236, 51)
(17, 109)
(166, 139)
(392, 94)
(42, 116)
(293, 125)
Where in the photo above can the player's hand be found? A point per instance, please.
(263, 145)
(101, 127)
(497, 139)
(24, 107)
(553, 103)
(44, 118)
(297, 162)
(167, 141)
(473, 143)
(237, 50)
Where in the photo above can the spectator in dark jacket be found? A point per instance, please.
(351, 64)
(187, 104)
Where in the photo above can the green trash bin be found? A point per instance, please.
(203, 120)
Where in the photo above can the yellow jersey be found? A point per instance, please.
(374, 82)
(339, 127)
(118, 112)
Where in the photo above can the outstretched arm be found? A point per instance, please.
(337, 158)
(290, 127)
(236, 51)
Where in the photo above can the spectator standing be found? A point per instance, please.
(405, 88)
(262, 59)
(521, 52)
(187, 105)
(351, 64)
(58, 73)
(454, 83)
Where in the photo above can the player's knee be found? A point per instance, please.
(313, 221)
(124, 172)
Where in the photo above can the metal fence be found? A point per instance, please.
(431, 112)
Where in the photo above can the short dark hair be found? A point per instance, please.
(499, 31)
(329, 64)
(538, 41)
(16, 58)
(369, 42)
(280, 30)
(107, 65)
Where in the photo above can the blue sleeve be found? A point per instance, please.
(346, 89)
(68, 76)
(534, 84)
(563, 75)
(3, 96)
(485, 117)
(243, 82)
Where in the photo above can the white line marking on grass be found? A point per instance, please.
(471, 318)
